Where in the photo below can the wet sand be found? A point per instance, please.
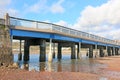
(111, 71)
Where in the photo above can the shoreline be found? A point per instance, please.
(110, 72)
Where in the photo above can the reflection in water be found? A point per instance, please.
(25, 65)
(42, 66)
(65, 64)
(73, 65)
(59, 66)
(103, 78)
(49, 68)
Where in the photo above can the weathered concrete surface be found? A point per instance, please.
(101, 52)
(91, 51)
(59, 56)
(26, 50)
(42, 57)
(6, 56)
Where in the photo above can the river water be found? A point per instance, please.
(65, 64)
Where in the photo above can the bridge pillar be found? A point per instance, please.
(78, 51)
(26, 50)
(50, 55)
(53, 50)
(73, 56)
(119, 51)
(109, 51)
(91, 51)
(116, 51)
(42, 56)
(101, 52)
(96, 51)
(106, 51)
(59, 56)
(20, 54)
(112, 49)
(6, 56)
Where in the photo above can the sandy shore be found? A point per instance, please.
(110, 72)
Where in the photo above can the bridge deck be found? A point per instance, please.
(36, 26)
(30, 25)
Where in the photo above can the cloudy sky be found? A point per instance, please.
(100, 17)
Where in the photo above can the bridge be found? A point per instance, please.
(38, 33)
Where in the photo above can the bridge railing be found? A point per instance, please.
(57, 28)
(28, 23)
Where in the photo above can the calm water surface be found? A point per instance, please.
(65, 64)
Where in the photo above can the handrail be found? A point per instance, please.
(59, 28)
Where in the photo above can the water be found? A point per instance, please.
(84, 65)
(65, 64)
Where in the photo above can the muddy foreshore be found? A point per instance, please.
(110, 72)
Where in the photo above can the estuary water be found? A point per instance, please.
(65, 64)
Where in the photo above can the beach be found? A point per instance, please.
(111, 71)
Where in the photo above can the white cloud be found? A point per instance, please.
(38, 7)
(5, 9)
(41, 6)
(4, 3)
(57, 7)
(101, 20)
(62, 23)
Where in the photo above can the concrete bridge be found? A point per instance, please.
(38, 33)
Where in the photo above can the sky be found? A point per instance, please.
(100, 17)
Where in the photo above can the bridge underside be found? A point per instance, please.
(39, 38)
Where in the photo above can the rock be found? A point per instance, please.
(15, 65)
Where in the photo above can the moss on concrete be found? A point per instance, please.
(6, 56)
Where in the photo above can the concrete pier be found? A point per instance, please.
(78, 51)
(26, 50)
(42, 57)
(116, 51)
(59, 56)
(109, 51)
(106, 51)
(90, 51)
(101, 52)
(73, 53)
(96, 51)
(50, 55)
(20, 54)
(53, 50)
(6, 56)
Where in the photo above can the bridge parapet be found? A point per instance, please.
(49, 27)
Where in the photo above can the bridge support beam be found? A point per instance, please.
(91, 51)
(78, 51)
(50, 56)
(119, 51)
(42, 57)
(20, 54)
(112, 51)
(101, 52)
(96, 51)
(73, 56)
(59, 56)
(53, 50)
(116, 51)
(106, 51)
(109, 51)
(26, 50)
